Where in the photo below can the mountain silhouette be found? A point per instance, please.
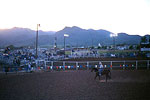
(83, 37)
(20, 36)
(77, 37)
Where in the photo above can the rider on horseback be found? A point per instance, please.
(100, 70)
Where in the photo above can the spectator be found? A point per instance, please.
(29, 67)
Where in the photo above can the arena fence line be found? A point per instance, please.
(85, 65)
(42, 65)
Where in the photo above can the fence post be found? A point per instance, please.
(124, 64)
(147, 64)
(76, 65)
(111, 65)
(52, 64)
(136, 65)
(88, 65)
(64, 65)
(100, 63)
(36, 62)
(45, 64)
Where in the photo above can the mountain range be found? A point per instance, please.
(77, 37)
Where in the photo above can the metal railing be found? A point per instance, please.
(126, 64)
(42, 65)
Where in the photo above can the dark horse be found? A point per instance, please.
(105, 71)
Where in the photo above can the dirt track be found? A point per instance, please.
(75, 85)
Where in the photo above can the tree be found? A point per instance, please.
(130, 47)
(11, 47)
(104, 47)
(143, 39)
(92, 47)
(98, 47)
(138, 47)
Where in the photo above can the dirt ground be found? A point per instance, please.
(75, 85)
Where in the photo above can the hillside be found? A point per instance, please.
(77, 37)
(20, 36)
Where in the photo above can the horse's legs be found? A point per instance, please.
(109, 76)
(106, 77)
(95, 76)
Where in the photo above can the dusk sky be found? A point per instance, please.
(129, 16)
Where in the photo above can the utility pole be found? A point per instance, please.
(65, 35)
(114, 41)
(64, 48)
(55, 44)
(36, 46)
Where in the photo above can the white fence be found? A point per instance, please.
(81, 65)
(58, 65)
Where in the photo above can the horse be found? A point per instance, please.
(105, 72)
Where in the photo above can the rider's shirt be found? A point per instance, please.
(100, 70)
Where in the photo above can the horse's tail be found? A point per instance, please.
(92, 69)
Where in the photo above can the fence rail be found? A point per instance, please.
(126, 64)
(80, 65)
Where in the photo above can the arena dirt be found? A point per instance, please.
(75, 85)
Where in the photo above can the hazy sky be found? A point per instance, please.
(130, 16)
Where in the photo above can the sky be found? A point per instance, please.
(129, 16)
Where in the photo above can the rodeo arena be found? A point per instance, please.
(23, 76)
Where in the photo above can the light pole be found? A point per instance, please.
(65, 35)
(113, 35)
(36, 46)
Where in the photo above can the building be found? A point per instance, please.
(145, 43)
